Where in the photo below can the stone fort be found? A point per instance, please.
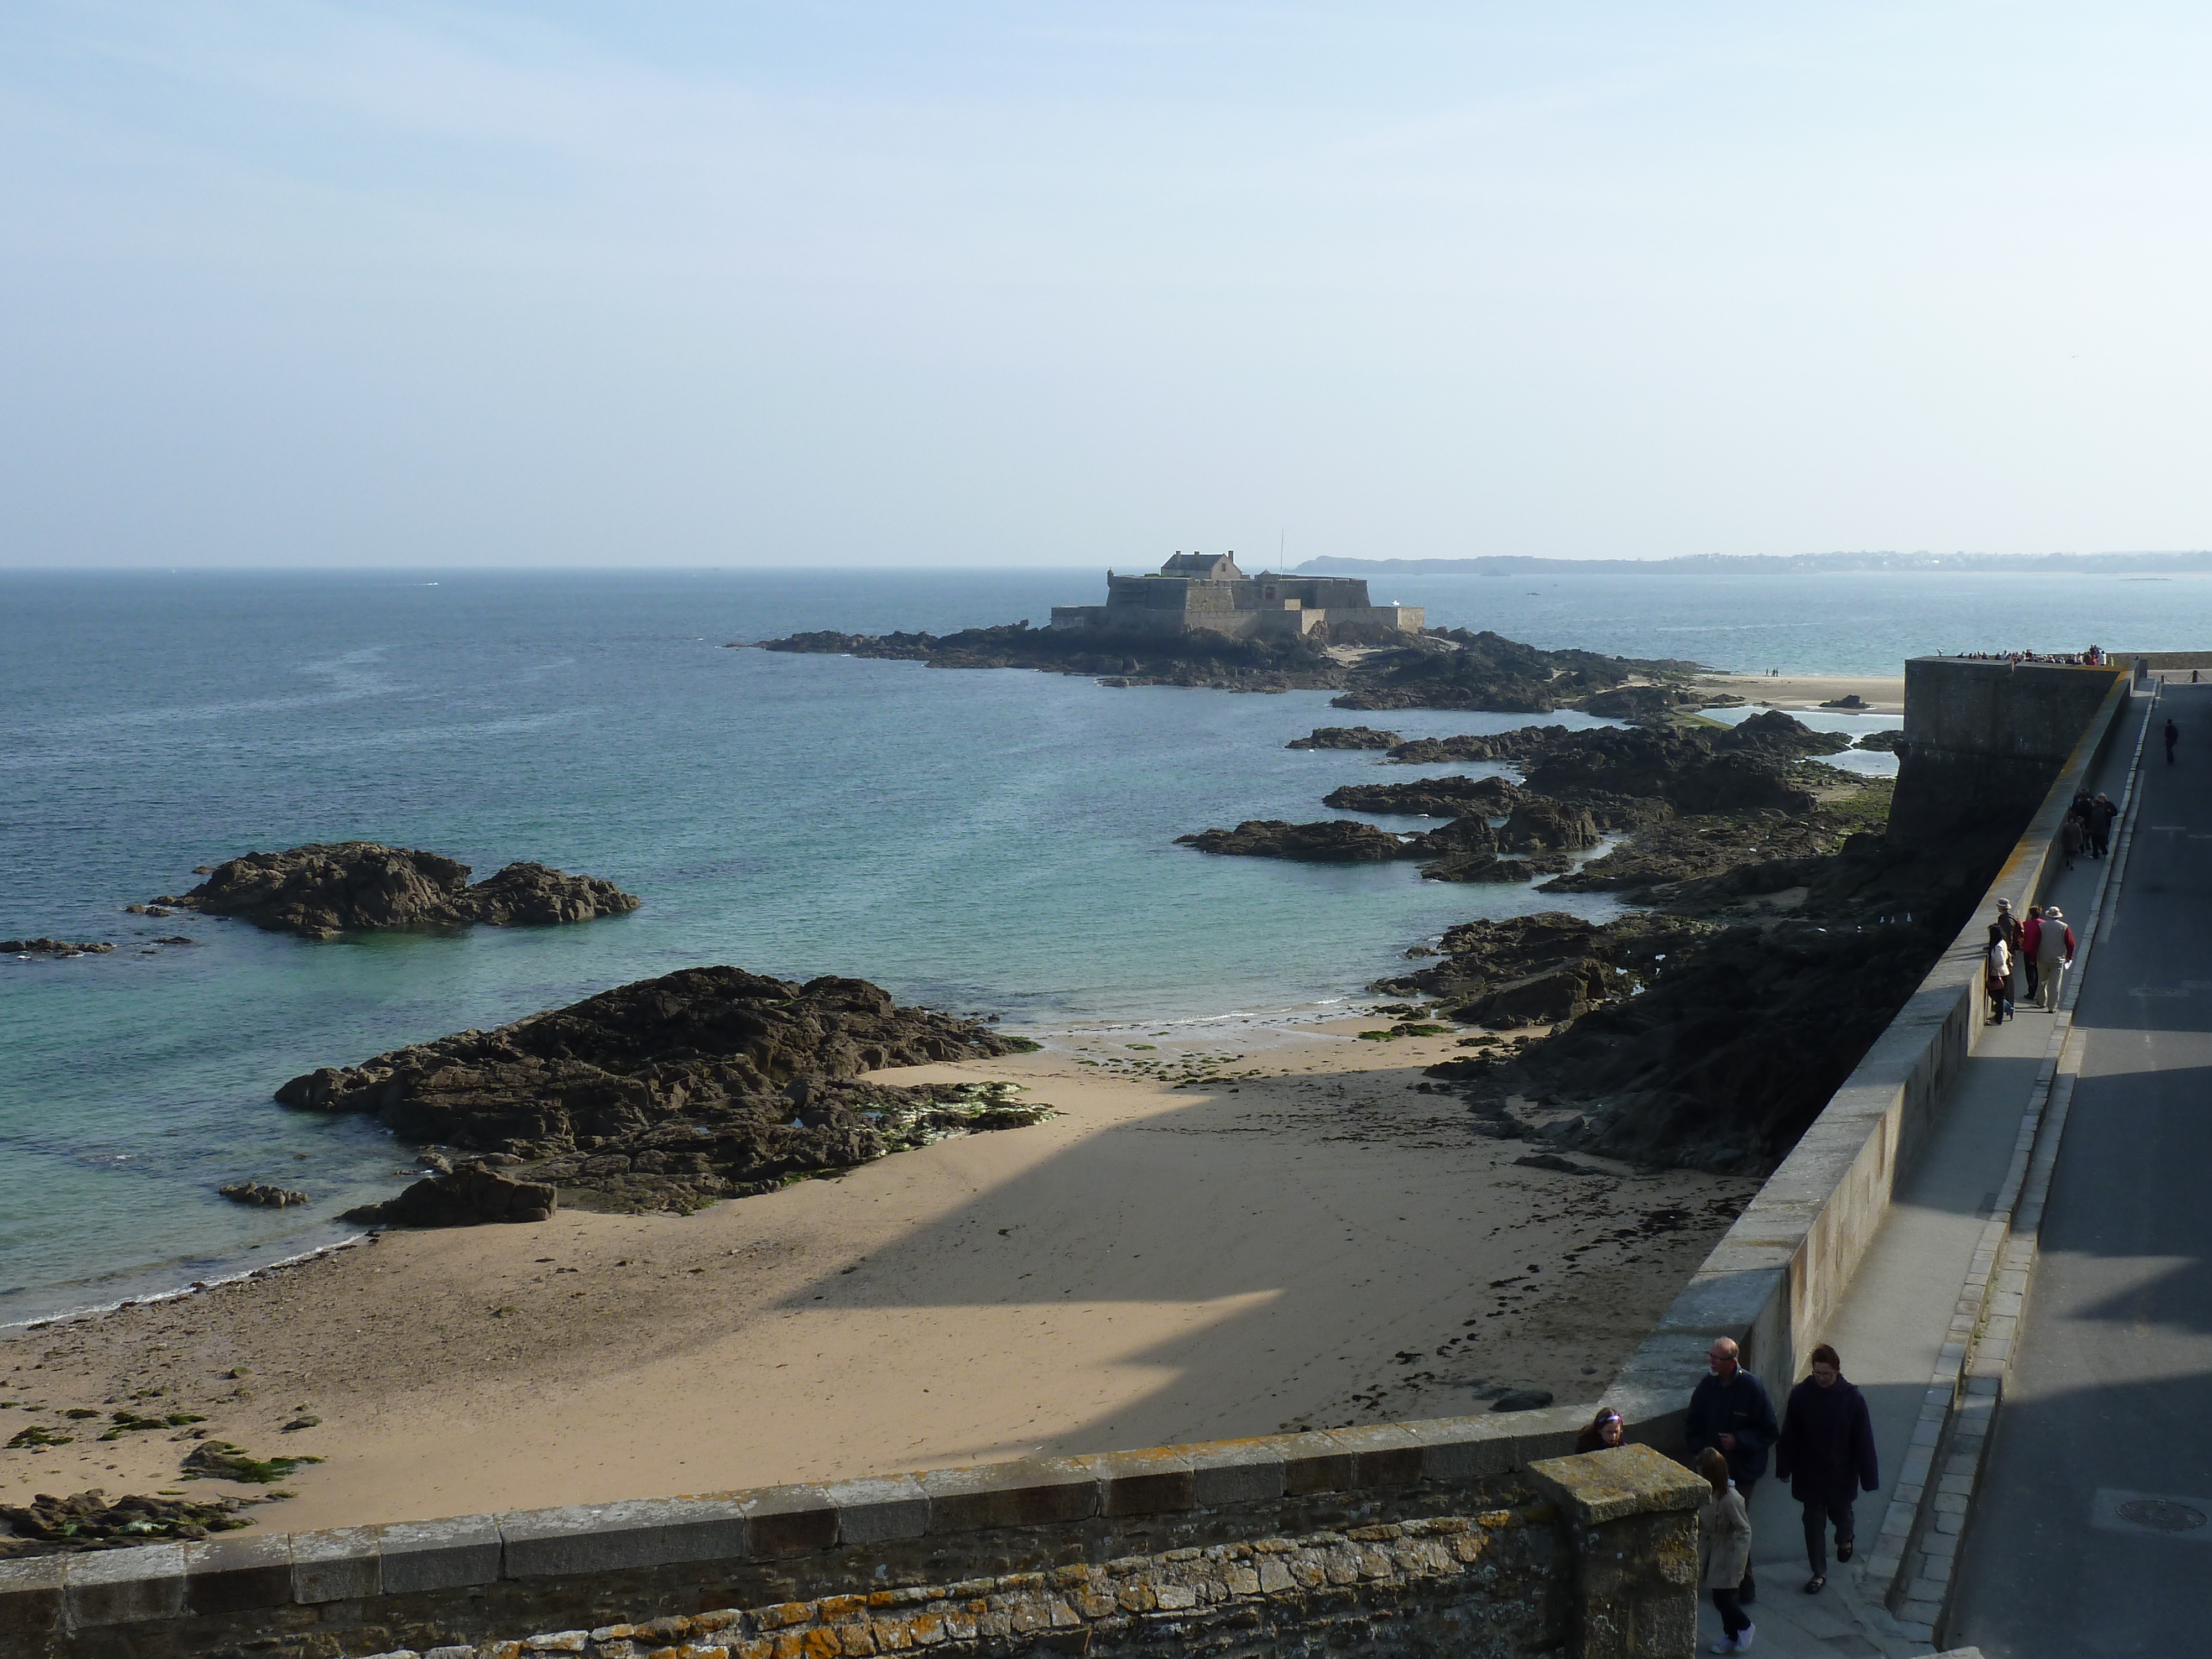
(1202, 591)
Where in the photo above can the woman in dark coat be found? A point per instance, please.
(1826, 1454)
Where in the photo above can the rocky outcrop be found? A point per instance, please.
(1337, 841)
(87, 1520)
(1521, 743)
(1489, 866)
(466, 1198)
(1890, 742)
(1430, 798)
(1775, 734)
(1344, 737)
(1443, 668)
(673, 1092)
(262, 1194)
(356, 886)
(51, 947)
(1537, 825)
(1689, 771)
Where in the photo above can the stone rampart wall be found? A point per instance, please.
(1459, 1536)
(1779, 1274)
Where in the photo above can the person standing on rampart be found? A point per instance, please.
(2053, 945)
(1729, 1412)
(2173, 737)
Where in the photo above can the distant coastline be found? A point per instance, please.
(1764, 564)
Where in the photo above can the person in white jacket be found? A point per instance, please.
(1724, 1550)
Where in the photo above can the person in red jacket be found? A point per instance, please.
(2050, 940)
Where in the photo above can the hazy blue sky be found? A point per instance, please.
(297, 283)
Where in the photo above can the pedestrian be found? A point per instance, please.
(2054, 955)
(2028, 930)
(2009, 926)
(1724, 1550)
(1730, 1412)
(1826, 1454)
(2101, 814)
(1996, 975)
(2072, 838)
(1606, 1432)
(2173, 737)
(2192, 676)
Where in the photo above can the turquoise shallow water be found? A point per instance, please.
(993, 840)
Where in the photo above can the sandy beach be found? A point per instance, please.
(1802, 691)
(1226, 1232)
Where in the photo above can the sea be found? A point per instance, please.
(993, 842)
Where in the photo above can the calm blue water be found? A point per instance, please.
(972, 840)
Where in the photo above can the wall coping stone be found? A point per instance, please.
(1595, 1487)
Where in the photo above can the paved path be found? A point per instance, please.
(2109, 1400)
(1897, 1311)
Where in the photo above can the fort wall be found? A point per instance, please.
(1464, 1535)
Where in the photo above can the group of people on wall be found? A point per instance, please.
(1822, 1445)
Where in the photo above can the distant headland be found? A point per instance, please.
(1765, 564)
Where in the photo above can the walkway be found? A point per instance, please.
(1897, 1314)
(2092, 1524)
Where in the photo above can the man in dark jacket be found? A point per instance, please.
(2101, 814)
(1826, 1454)
(1729, 1409)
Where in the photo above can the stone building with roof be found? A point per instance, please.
(1205, 592)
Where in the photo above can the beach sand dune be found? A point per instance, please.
(1226, 1234)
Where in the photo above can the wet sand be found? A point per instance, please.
(1226, 1234)
(1801, 691)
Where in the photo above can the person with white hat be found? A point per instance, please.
(2050, 941)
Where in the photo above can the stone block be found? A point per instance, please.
(451, 1553)
(125, 1587)
(1159, 1481)
(342, 1565)
(1383, 1455)
(1225, 1472)
(1593, 1488)
(1033, 1491)
(1466, 1448)
(33, 1594)
(230, 1574)
(789, 1520)
(878, 1511)
(1314, 1462)
(610, 1537)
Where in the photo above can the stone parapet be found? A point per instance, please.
(469, 1579)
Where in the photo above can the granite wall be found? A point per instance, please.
(1458, 1537)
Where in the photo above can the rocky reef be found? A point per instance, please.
(1441, 668)
(53, 947)
(262, 1194)
(669, 1093)
(359, 886)
(87, 1520)
(1345, 737)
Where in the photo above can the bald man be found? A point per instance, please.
(1729, 1410)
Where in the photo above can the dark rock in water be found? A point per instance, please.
(1521, 1400)
(68, 1526)
(1519, 745)
(1339, 840)
(361, 886)
(149, 910)
(1554, 1163)
(1472, 834)
(1640, 703)
(1848, 700)
(256, 1192)
(1549, 826)
(464, 1198)
(1776, 734)
(1686, 770)
(1345, 737)
(51, 947)
(176, 938)
(1889, 742)
(1488, 866)
(675, 1092)
(1432, 798)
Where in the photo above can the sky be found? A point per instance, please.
(854, 284)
